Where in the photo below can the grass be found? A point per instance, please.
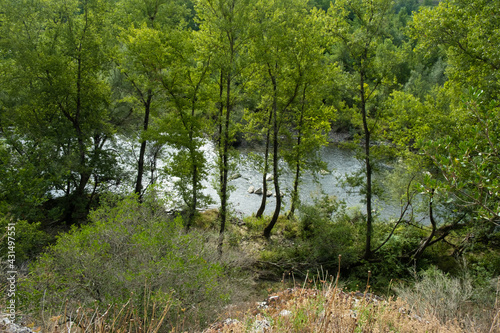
(327, 308)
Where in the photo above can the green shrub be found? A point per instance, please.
(29, 239)
(447, 297)
(322, 233)
(125, 249)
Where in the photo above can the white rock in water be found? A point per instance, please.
(269, 193)
(269, 177)
(251, 189)
(235, 176)
(258, 191)
(324, 172)
(282, 194)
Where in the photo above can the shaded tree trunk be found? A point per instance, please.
(418, 253)
(225, 163)
(266, 168)
(142, 152)
(274, 219)
(295, 193)
(368, 170)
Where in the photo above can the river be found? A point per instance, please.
(340, 161)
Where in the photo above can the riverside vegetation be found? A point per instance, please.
(95, 95)
(134, 268)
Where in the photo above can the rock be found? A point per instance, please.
(269, 193)
(324, 172)
(6, 325)
(285, 313)
(230, 321)
(262, 305)
(234, 176)
(261, 326)
(251, 189)
(258, 191)
(269, 177)
(282, 194)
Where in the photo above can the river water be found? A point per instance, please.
(340, 161)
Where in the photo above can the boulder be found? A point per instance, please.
(269, 177)
(251, 189)
(324, 172)
(234, 176)
(258, 191)
(269, 193)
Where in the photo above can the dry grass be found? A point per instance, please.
(327, 308)
(331, 310)
(126, 318)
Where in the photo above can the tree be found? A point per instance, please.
(281, 56)
(457, 137)
(185, 82)
(55, 113)
(309, 121)
(360, 29)
(140, 25)
(468, 32)
(224, 34)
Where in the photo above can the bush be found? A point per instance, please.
(322, 233)
(29, 239)
(128, 248)
(447, 297)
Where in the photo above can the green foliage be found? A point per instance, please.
(54, 113)
(126, 247)
(29, 239)
(316, 240)
(467, 31)
(447, 297)
(469, 161)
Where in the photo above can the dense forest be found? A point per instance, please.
(104, 101)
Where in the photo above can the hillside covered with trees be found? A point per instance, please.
(107, 108)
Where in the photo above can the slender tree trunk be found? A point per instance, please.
(194, 198)
(193, 150)
(267, 230)
(262, 207)
(225, 165)
(142, 152)
(428, 240)
(295, 193)
(368, 170)
(76, 208)
(194, 176)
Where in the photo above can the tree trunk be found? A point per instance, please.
(368, 170)
(76, 208)
(267, 230)
(142, 152)
(295, 193)
(428, 240)
(266, 168)
(225, 165)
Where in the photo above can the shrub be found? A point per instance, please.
(125, 249)
(29, 239)
(447, 297)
